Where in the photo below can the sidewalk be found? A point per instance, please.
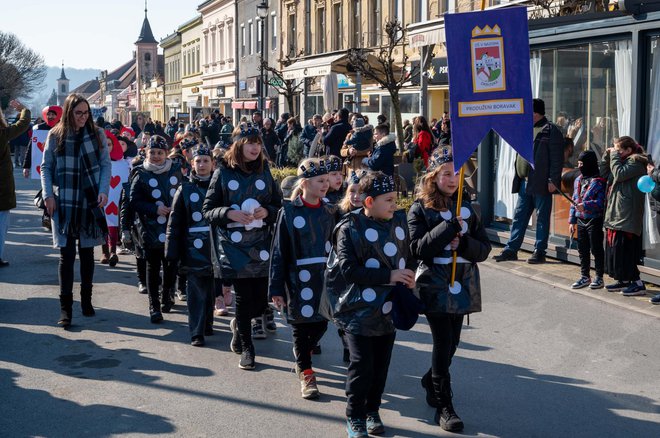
(561, 275)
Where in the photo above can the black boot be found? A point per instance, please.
(86, 301)
(427, 384)
(445, 415)
(168, 301)
(154, 308)
(66, 304)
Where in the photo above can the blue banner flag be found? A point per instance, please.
(489, 80)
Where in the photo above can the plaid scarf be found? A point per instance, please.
(77, 170)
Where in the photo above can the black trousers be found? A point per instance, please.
(590, 240)
(141, 264)
(305, 337)
(65, 268)
(251, 302)
(219, 284)
(156, 259)
(446, 333)
(200, 291)
(367, 372)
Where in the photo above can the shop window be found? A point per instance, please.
(372, 105)
(409, 103)
(320, 30)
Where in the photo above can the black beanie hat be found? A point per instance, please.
(539, 106)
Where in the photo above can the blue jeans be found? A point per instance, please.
(4, 227)
(524, 209)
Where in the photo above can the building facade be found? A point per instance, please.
(171, 46)
(218, 55)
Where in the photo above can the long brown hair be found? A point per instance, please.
(420, 124)
(67, 124)
(234, 155)
(429, 194)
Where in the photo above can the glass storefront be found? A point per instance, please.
(587, 93)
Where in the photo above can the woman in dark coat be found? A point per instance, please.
(270, 138)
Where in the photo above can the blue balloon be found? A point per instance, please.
(645, 184)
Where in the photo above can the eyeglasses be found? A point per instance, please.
(81, 113)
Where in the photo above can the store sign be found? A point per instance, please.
(437, 73)
(488, 63)
(242, 85)
(220, 91)
(276, 82)
(344, 82)
(252, 85)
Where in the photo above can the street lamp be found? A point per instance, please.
(262, 13)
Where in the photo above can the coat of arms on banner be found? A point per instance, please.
(487, 48)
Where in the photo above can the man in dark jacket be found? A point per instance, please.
(535, 187)
(335, 137)
(309, 133)
(382, 158)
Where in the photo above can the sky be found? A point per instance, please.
(97, 34)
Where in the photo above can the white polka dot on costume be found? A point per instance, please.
(402, 263)
(233, 184)
(371, 234)
(455, 288)
(400, 233)
(153, 182)
(194, 197)
(307, 311)
(160, 203)
(389, 249)
(304, 275)
(264, 255)
(326, 200)
(162, 237)
(368, 295)
(465, 212)
(387, 307)
(155, 193)
(446, 215)
(236, 236)
(464, 228)
(259, 184)
(173, 180)
(197, 216)
(306, 294)
(161, 219)
(372, 263)
(299, 222)
(172, 192)
(235, 207)
(328, 247)
(198, 243)
(448, 248)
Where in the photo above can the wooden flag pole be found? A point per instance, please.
(459, 199)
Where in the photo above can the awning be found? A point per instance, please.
(320, 66)
(237, 105)
(250, 104)
(426, 33)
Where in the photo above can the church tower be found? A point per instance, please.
(146, 58)
(62, 87)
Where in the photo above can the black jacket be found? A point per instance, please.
(431, 231)
(365, 253)
(548, 160)
(148, 191)
(188, 234)
(335, 137)
(300, 249)
(241, 252)
(271, 143)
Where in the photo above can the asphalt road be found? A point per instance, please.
(539, 361)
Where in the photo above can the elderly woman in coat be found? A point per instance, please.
(75, 178)
(7, 188)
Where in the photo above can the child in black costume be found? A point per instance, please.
(189, 243)
(371, 256)
(299, 253)
(435, 231)
(335, 167)
(152, 190)
(241, 205)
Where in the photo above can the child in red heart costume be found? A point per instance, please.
(110, 247)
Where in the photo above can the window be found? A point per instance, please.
(221, 43)
(273, 43)
(374, 22)
(206, 49)
(197, 69)
(308, 21)
(320, 30)
(63, 89)
(251, 38)
(338, 36)
(147, 56)
(356, 31)
(243, 50)
(260, 30)
(291, 36)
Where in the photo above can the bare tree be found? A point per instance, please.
(383, 66)
(284, 87)
(22, 70)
